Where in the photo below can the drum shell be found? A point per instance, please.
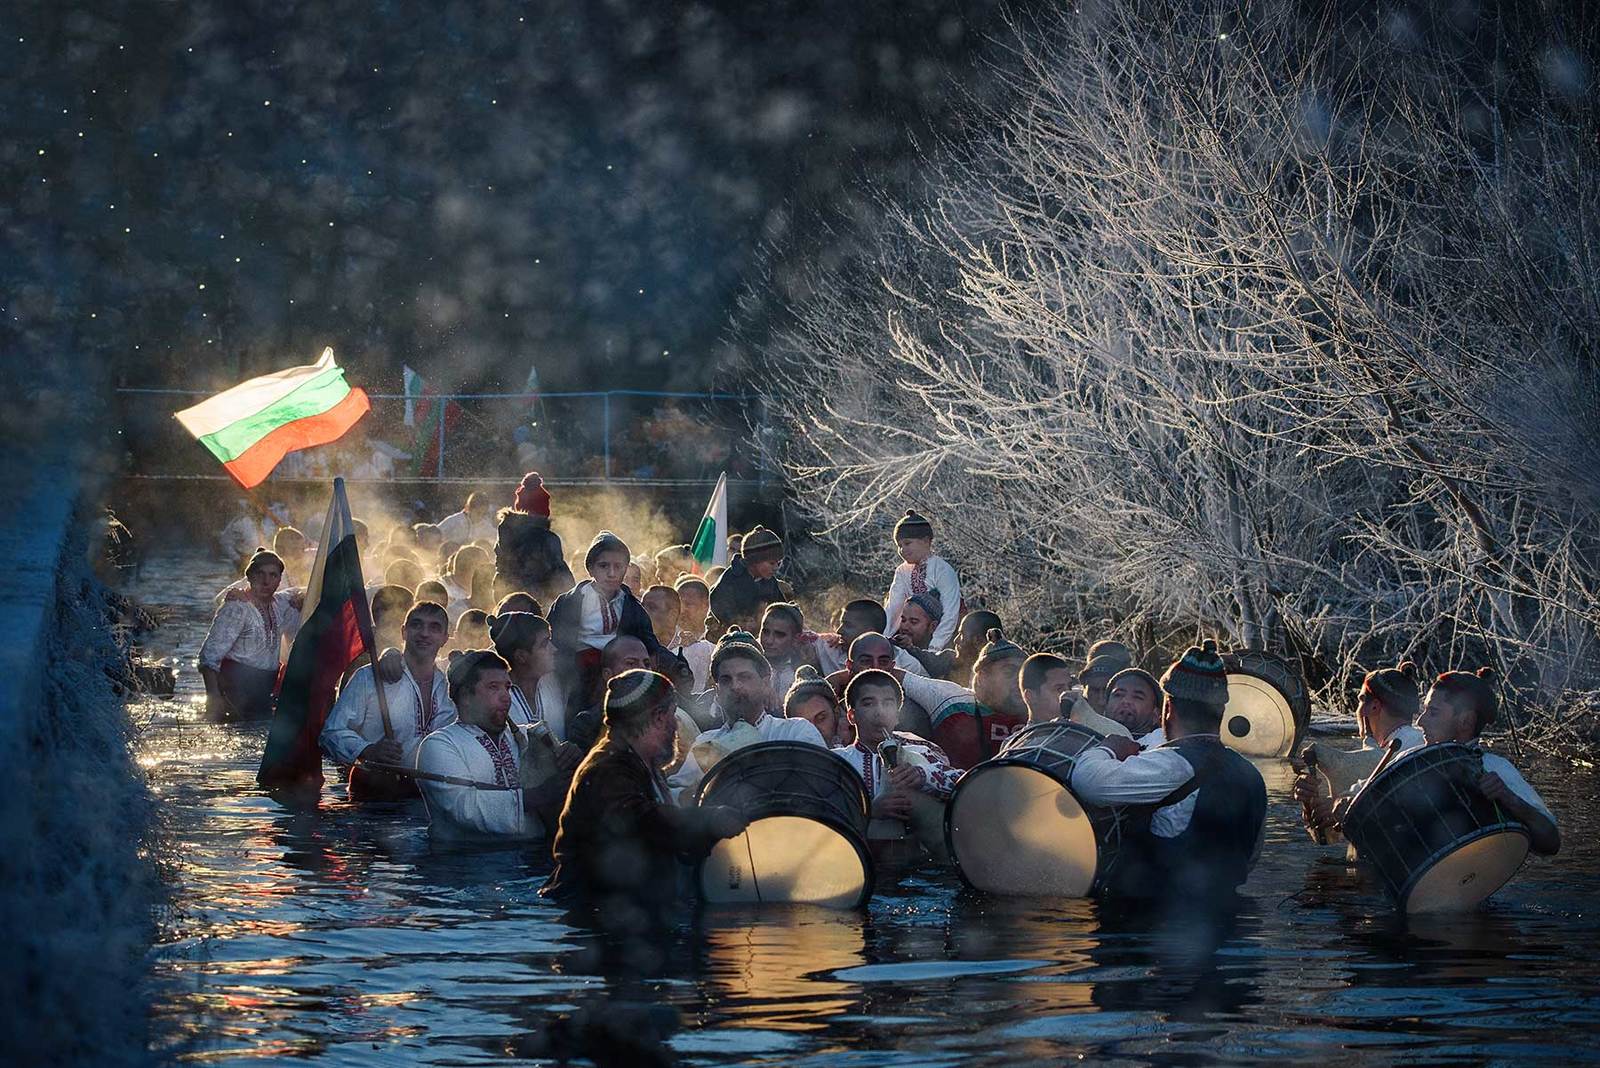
(785, 783)
(1269, 706)
(1031, 749)
(1418, 811)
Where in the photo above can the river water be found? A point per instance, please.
(338, 936)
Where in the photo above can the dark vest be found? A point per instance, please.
(1211, 858)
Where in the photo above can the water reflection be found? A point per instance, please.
(337, 933)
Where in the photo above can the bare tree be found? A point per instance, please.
(1241, 323)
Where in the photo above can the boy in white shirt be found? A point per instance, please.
(921, 571)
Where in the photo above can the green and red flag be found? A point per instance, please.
(254, 425)
(424, 410)
(710, 545)
(336, 628)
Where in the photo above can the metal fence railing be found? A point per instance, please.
(574, 438)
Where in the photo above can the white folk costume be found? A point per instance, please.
(547, 703)
(597, 619)
(467, 812)
(938, 777)
(771, 729)
(934, 573)
(355, 722)
(248, 634)
(463, 529)
(1499, 765)
(1153, 739)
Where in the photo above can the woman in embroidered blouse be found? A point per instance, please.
(240, 656)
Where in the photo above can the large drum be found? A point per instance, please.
(807, 838)
(1434, 840)
(1014, 826)
(1268, 705)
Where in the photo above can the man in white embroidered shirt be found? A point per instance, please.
(1201, 807)
(744, 693)
(419, 703)
(482, 746)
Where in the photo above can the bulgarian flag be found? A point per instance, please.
(336, 628)
(424, 411)
(710, 545)
(254, 425)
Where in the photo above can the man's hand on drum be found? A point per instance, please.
(724, 821)
(905, 778)
(1121, 748)
(894, 805)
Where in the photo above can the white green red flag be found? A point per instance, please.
(337, 628)
(710, 545)
(424, 412)
(254, 425)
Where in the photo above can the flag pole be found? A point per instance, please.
(364, 615)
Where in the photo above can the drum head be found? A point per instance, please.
(789, 859)
(1259, 720)
(1464, 877)
(1016, 830)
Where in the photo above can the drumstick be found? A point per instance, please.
(429, 776)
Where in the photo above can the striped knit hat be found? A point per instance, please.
(605, 541)
(999, 649)
(1199, 675)
(739, 643)
(808, 683)
(930, 602)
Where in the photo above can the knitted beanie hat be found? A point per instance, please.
(760, 545)
(998, 649)
(808, 683)
(605, 541)
(739, 643)
(913, 525)
(1476, 688)
(531, 496)
(1198, 675)
(930, 602)
(1110, 647)
(1105, 659)
(1396, 687)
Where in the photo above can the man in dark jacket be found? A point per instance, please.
(620, 838)
(1200, 806)
(528, 554)
(748, 585)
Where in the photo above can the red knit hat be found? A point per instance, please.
(532, 497)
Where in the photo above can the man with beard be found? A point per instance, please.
(971, 725)
(1133, 700)
(918, 619)
(745, 695)
(859, 617)
(480, 746)
(620, 838)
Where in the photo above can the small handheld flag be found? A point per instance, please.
(710, 545)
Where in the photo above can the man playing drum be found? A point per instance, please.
(744, 693)
(1208, 803)
(1384, 713)
(1459, 705)
(620, 837)
(1133, 699)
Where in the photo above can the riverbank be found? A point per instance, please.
(78, 883)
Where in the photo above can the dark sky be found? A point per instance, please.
(194, 192)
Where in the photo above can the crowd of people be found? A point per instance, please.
(580, 699)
